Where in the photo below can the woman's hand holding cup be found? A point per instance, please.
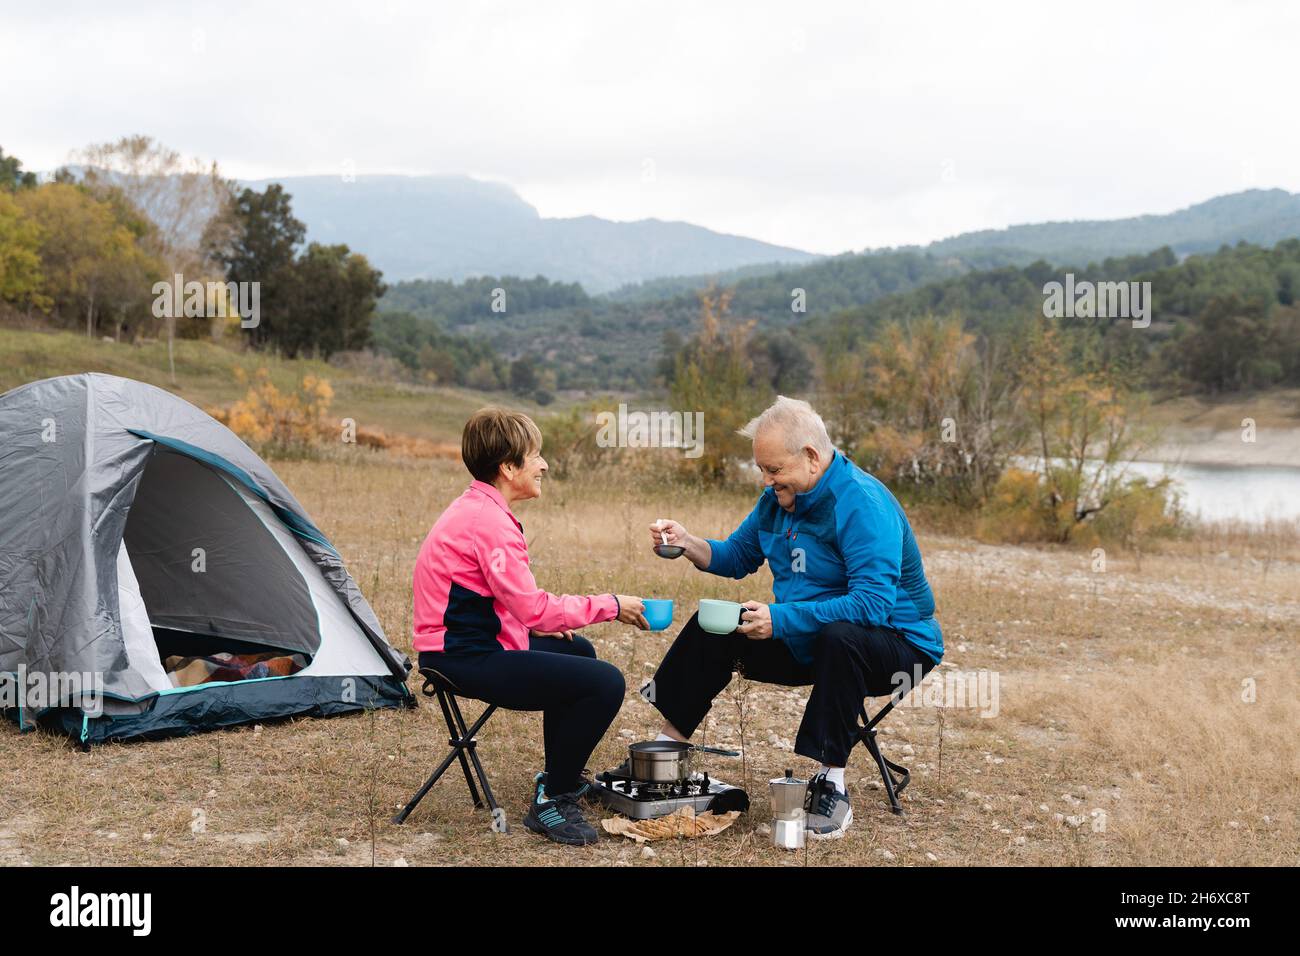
(631, 610)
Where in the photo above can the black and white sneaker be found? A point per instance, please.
(827, 811)
(558, 818)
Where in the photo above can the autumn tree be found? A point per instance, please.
(713, 374)
(183, 200)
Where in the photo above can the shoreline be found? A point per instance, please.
(1272, 448)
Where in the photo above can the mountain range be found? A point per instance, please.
(457, 227)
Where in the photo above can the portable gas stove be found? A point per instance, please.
(642, 801)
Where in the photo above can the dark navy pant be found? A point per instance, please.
(850, 663)
(578, 695)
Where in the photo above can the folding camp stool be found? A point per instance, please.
(867, 734)
(463, 748)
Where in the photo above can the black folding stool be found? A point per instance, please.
(867, 734)
(463, 748)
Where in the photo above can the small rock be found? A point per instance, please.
(987, 808)
(400, 861)
(886, 854)
(932, 858)
(1233, 824)
(1075, 821)
(907, 750)
(342, 842)
(112, 836)
(1020, 841)
(763, 829)
(648, 853)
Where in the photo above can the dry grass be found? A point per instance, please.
(1121, 692)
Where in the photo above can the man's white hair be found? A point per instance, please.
(797, 421)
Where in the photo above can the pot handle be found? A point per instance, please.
(716, 750)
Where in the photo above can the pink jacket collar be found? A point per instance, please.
(490, 491)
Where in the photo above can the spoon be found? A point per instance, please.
(664, 549)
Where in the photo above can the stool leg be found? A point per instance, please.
(457, 726)
(461, 739)
(498, 815)
(869, 738)
(428, 785)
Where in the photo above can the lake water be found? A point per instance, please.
(1230, 492)
(1250, 493)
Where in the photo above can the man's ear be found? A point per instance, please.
(814, 457)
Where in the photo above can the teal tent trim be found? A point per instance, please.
(233, 704)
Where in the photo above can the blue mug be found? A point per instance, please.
(658, 612)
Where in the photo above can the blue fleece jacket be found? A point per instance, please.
(845, 553)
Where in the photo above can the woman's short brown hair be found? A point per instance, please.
(494, 436)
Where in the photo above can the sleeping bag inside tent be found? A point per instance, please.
(156, 578)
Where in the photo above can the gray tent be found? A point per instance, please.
(136, 530)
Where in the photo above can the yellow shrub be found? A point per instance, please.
(277, 420)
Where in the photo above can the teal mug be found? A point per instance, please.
(719, 617)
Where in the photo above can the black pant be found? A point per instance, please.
(850, 663)
(578, 695)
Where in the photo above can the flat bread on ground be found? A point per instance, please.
(683, 824)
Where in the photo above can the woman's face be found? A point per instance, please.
(525, 482)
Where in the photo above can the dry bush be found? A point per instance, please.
(1024, 507)
(278, 423)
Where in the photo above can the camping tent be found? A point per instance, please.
(156, 578)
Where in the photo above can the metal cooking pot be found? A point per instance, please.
(666, 761)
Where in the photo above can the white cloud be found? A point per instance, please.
(825, 126)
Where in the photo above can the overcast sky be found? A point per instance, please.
(825, 126)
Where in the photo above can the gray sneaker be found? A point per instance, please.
(827, 811)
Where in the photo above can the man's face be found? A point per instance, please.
(787, 474)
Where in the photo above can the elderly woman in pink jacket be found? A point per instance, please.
(482, 621)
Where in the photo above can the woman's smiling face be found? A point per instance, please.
(524, 482)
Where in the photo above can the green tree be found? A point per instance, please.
(22, 280)
(256, 239)
(12, 177)
(334, 295)
(523, 375)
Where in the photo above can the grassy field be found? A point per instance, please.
(206, 376)
(1123, 732)
(1146, 714)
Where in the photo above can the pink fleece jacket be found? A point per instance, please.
(473, 584)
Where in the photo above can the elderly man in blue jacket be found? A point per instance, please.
(853, 615)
